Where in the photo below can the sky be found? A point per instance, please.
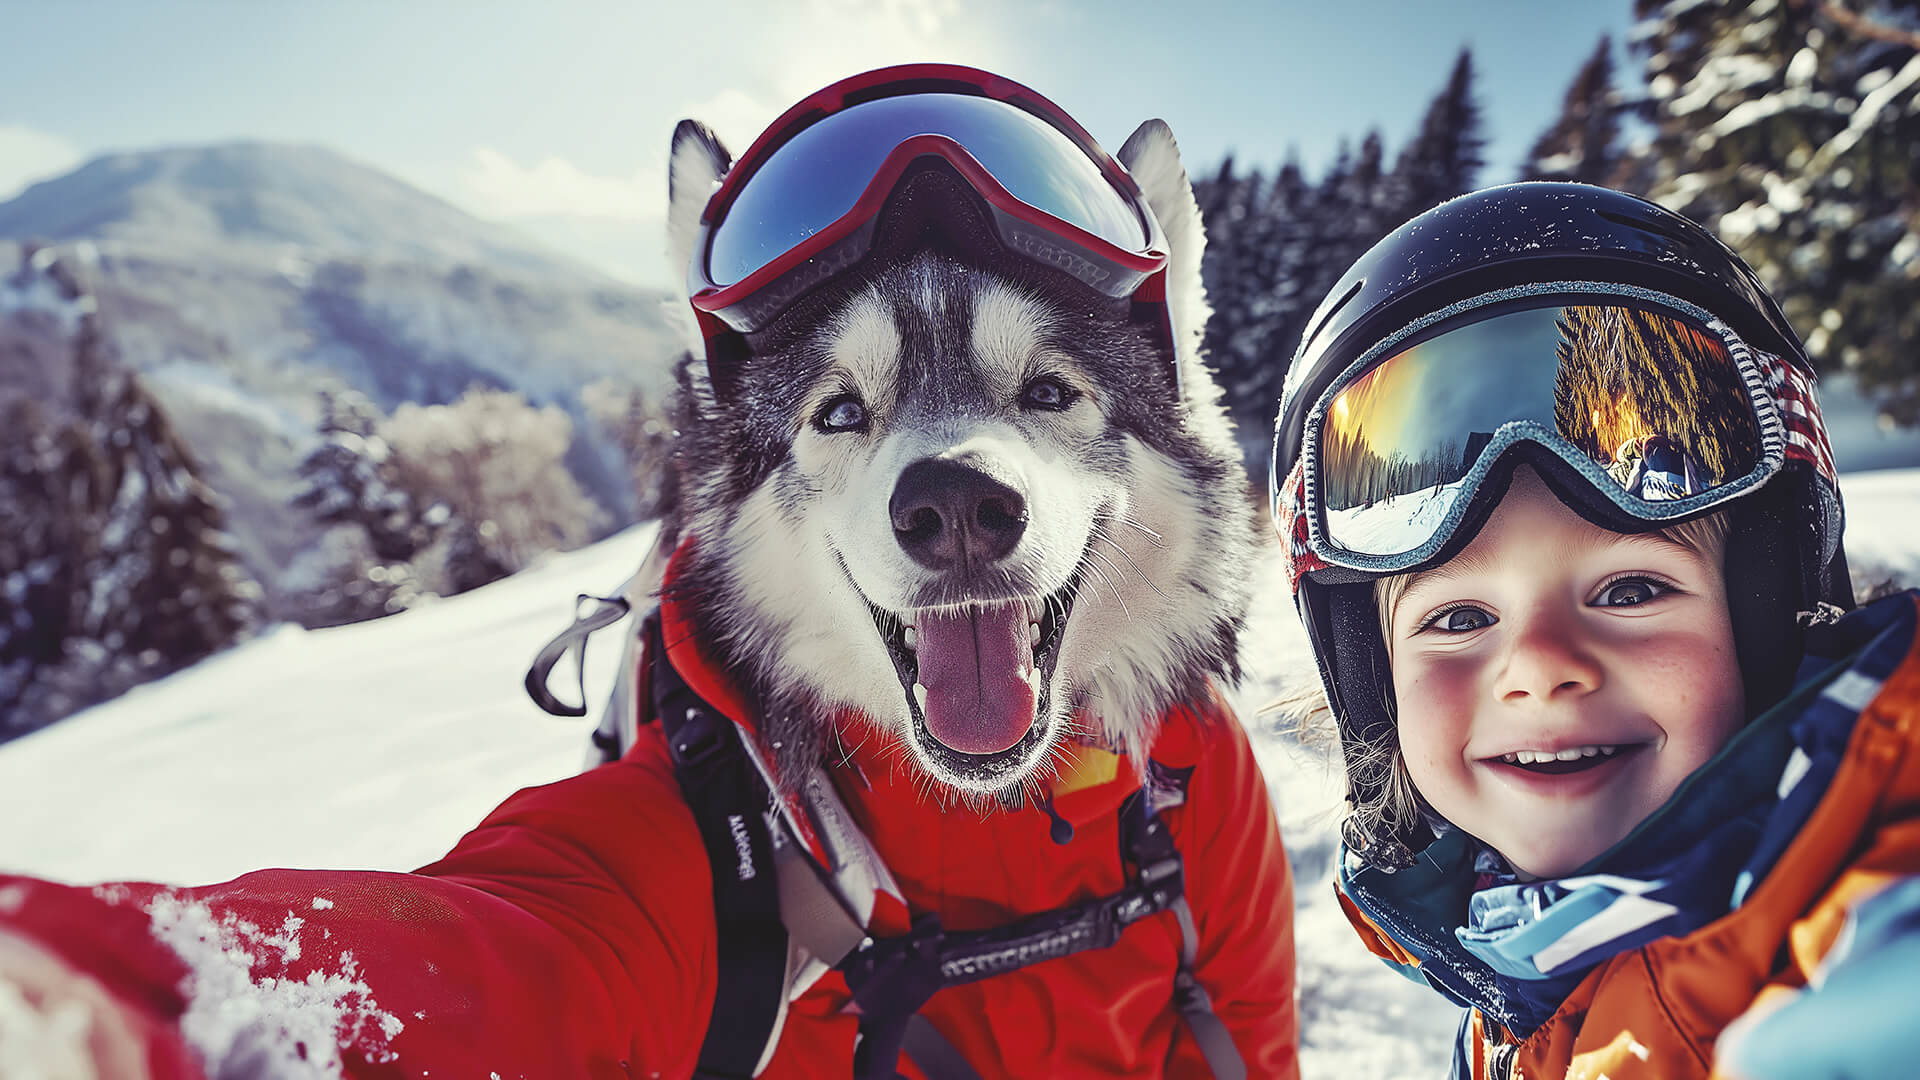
(556, 116)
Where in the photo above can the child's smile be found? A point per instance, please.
(1556, 681)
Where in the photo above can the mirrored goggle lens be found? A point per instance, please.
(1652, 398)
(813, 179)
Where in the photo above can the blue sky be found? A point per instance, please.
(556, 116)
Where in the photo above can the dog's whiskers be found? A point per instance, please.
(1116, 569)
(1153, 538)
(1102, 534)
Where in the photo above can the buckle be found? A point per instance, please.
(1154, 872)
(701, 738)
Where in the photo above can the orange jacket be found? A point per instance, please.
(1655, 1011)
(572, 934)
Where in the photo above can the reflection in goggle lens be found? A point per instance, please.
(1654, 399)
(815, 178)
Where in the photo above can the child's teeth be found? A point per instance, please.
(1575, 753)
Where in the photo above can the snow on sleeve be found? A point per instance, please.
(284, 1028)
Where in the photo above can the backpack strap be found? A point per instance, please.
(892, 979)
(604, 612)
(730, 803)
(1148, 844)
(768, 897)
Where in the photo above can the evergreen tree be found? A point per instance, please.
(1583, 144)
(1793, 131)
(350, 479)
(643, 427)
(1444, 158)
(1273, 250)
(114, 563)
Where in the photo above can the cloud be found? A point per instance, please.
(789, 51)
(840, 37)
(27, 156)
(496, 186)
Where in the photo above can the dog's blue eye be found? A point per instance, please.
(1046, 393)
(844, 413)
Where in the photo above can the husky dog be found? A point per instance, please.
(962, 497)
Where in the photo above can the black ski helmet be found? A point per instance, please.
(1783, 545)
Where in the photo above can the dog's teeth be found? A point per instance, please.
(920, 695)
(912, 639)
(1033, 633)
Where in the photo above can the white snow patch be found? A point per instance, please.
(270, 1027)
(321, 903)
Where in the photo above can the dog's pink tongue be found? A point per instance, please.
(977, 667)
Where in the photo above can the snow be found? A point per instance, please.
(283, 1028)
(376, 745)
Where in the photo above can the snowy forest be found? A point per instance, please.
(1789, 127)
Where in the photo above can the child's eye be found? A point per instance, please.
(1458, 620)
(1628, 592)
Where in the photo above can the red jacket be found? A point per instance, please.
(572, 934)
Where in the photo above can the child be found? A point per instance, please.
(1564, 531)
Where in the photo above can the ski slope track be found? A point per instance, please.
(377, 745)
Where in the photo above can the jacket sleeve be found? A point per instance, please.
(1241, 891)
(1856, 1018)
(570, 934)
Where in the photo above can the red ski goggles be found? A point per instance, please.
(1662, 409)
(800, 206)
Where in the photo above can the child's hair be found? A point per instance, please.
(1396, 801)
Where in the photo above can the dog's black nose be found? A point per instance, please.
(949, 514)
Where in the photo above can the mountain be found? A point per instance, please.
(262, 199)
(242, 280)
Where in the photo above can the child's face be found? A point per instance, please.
(1549, 635)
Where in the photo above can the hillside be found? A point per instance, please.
(241, 280)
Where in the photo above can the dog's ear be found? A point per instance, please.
(694, 169)
(1153, 158)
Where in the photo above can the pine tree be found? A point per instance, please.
(1274, 250)
(350, 478)
(115, 566)
(1444, 159)
(1583, 143)
(1793, 131)
(642, 426)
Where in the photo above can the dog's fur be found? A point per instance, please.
(1135, 491)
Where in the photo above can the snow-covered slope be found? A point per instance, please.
(377, 745)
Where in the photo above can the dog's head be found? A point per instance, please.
(962, 496)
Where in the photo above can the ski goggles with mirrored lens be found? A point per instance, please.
(800, 206)
(1661, 408)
